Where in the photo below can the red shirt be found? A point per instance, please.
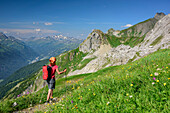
(53, 70)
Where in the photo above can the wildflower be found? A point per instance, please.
(94, 94)
(159, 69)
(127, 94)
(89, 89)
(73, 88)
(153, 83)
(151, 75)
(15, 103)
(157, 81)
(73, 108)
(166, 67)
(131, 85)
(130, 96)
(156, 74)
(154, 78)
(23, 96)
(53, 103)
(164, 84)
(168, 78)
(107, 103)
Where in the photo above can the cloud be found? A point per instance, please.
(48, 23)
(101, 23)
(37, 30)
(127, 25)
(27, 31)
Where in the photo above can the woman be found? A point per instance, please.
(51, 81)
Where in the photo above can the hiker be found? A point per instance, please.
(51, 81)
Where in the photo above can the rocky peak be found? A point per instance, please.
(93, 41)
(158, 16)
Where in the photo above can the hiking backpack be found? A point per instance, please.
(46, 72)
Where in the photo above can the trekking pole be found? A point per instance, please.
(66, 90)
(43, 90)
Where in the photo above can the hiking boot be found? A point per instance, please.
(47, 102)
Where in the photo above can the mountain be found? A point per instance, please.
(23, 74)
(52, 45)
(13, 55)
(111, 50)
(100, 51)
(141, 28)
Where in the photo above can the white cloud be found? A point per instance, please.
(48, 23)
(26, 31)
(127, 25)
(37, 30)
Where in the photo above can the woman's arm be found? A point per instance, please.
(61, 71)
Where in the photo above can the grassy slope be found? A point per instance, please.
(125, 88)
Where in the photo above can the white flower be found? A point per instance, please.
(108, 103)
(153, 83)
(159, 69)
(156, 74)
(130, 96)
(15, 103)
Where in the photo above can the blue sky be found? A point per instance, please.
(74, 18)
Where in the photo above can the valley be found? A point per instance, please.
(118, 71)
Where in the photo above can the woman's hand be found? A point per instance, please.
(65, 70)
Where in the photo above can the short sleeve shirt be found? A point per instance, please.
(53, 71)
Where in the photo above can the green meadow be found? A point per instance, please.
(139, 86)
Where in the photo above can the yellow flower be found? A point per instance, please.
(131, 84)
(157, 81)
(62, 98)
(53, 103)
(94, 94)
(151, 75)
(127, 94)
(166, 67)
(164, 84)
(73, 88)
(168, 78)
(89, 89)
(23, 96)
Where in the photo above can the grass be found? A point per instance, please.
(140, 86)
(156, 41)
(84, 63)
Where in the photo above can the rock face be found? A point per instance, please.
(158, 16)
(156, 38)
(141, 28)
(93, 42)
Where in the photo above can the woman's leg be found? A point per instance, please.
(49, 94)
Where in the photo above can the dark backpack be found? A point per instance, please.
(46, 72)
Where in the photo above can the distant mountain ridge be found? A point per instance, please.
(52, 45)
(13, 55)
